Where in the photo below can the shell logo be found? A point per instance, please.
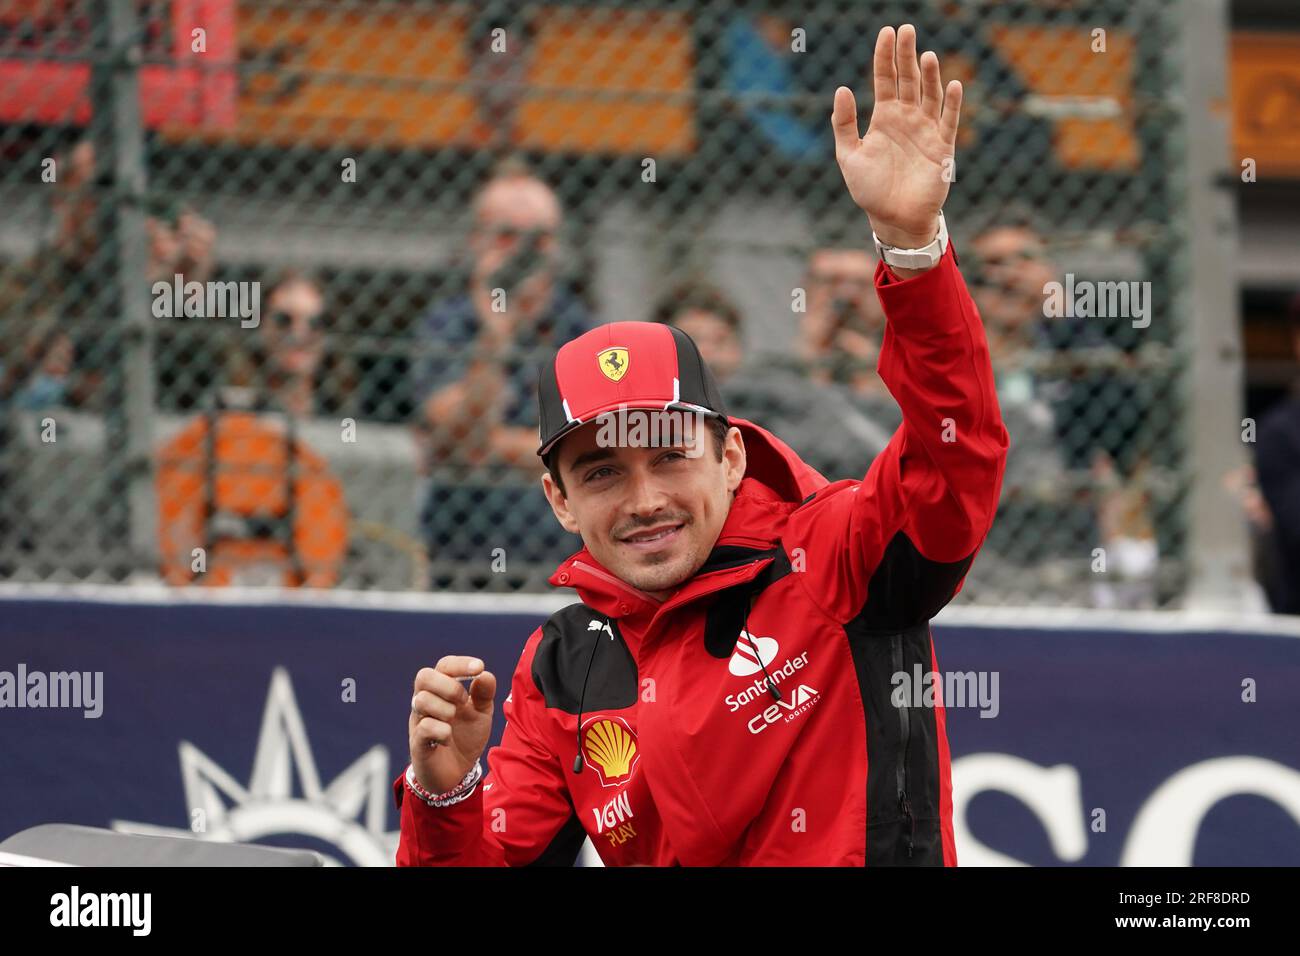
(609, 747)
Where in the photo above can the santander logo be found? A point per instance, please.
(745, 660)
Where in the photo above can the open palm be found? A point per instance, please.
(900, 171)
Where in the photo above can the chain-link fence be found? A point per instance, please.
(276, 275)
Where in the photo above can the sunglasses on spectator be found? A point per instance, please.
(514, 232)
(283, 321)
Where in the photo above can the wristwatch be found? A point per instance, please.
(921, 258)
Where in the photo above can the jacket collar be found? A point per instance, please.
(776, 482)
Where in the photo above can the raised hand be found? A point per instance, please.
(900, 171)
(449, 726)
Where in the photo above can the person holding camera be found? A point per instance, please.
(476, 419)
(475, 390)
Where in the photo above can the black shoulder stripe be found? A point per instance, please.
(908, 588)
(567, 646)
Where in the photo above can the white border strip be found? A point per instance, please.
(1017, 618)
(1093, 619)
(17, 859)
(417, 601)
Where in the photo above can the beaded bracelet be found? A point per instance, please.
(456, 794)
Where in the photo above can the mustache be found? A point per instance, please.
(642, 524)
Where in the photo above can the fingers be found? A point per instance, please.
(931, 85)
(483, 691)
(899, 76)
(428, 704)
(442, 680)
(884, 75)
(844, 121)
(430, 731)
(436, 682)
(951, 113)
(909, 73)
(440, 695)
(460, 666)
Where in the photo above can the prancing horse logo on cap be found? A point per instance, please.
(613, 363)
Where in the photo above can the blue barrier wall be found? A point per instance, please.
(232, 720)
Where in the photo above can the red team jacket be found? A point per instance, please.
(828, 588)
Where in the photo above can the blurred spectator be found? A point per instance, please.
(765, 75)
(477, 404)
(74, 237)
(188, 351)
(41, 377)
(713, 322)
(42, 298)
(821, 422)
(776, 67)
(50, 352)
(840, 335)
(844, 323)
(181, 242)
(35, 375)
(258, 524)
(65, 281)
(1009, 269)
(1127, 535)
(1006, 268)
(1277, 461)
(1242, 485)
(287, 364)
(477, 392)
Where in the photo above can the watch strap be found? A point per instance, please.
(919, 258)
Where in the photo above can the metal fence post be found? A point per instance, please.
(117, 132)
(1218, 549)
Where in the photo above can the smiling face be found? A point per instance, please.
(649, 515)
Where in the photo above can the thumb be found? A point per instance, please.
(482, 692)
(844, 121)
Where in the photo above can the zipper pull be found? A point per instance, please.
(906, 807)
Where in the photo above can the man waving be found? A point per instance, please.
(722, 693)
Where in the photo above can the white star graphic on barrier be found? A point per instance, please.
(348, 813)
